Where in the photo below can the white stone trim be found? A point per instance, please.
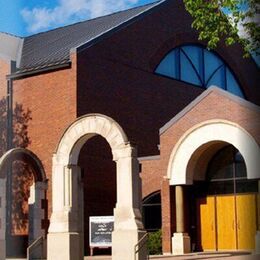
(206, 132)
(66, 220)
(83, 129)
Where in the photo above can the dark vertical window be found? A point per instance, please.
(152, 216)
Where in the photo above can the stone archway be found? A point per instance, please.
(187, 153)
(206, 133)
(65, 232)
(37, 194)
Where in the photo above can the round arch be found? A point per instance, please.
(37, 194)
(205, 134)
(83, 129)
(28, 155)
(66, 223)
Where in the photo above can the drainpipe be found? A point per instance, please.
(9, 145)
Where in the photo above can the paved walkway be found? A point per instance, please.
(193, 256)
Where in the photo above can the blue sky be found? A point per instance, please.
(26, 17)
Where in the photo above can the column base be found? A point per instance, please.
(2, 249)
(64, 246)
(257, 242)
(180, 244)
(123, 245)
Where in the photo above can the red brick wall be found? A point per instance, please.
(51, 98)
(4, 70)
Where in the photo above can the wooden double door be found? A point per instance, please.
(227, 222)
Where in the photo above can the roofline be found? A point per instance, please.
(204, 94)
(118, 27)
(13, 35)
(20, 75)
(82, 46)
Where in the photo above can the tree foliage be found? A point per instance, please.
(235, 21)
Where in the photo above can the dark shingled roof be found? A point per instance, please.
(53, 47)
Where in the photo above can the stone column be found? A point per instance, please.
(65, 238)
(179, 209)
(180, 239)
(257, 236)
(166, 216)
(2, 218)
(128, 227)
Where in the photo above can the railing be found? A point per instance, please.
(39, 242)
(141, 244)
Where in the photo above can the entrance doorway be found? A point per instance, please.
(226, 204)
(99, 185)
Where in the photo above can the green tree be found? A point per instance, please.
(225, 19)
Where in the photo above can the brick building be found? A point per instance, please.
(197, 145)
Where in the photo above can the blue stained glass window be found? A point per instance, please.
(198, 66)
(232, 84)
(187, 66)
(212, 63)
(168, 65)
(217, 78)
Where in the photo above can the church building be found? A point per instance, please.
(128, 115)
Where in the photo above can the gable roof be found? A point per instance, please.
(53, 47)
(201, 97)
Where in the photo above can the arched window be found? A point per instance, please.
(152, 216)
(227, 174)
(196, 65)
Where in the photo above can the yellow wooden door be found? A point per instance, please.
(206, 212)
(246, 221)
(226, 222)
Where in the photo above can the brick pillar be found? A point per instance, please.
(166, 216)
(36, 212)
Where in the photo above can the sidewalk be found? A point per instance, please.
(199, 255)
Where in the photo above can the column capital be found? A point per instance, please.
(124, 151)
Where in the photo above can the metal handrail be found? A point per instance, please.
(39, 241)
(141, 243)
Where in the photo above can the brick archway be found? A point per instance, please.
(65, 238)
(37, 194)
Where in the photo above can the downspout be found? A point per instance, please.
(9, 145)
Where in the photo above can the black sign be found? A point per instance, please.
(100, 231)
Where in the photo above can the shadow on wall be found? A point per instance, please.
(22, 172)
(21, 118)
